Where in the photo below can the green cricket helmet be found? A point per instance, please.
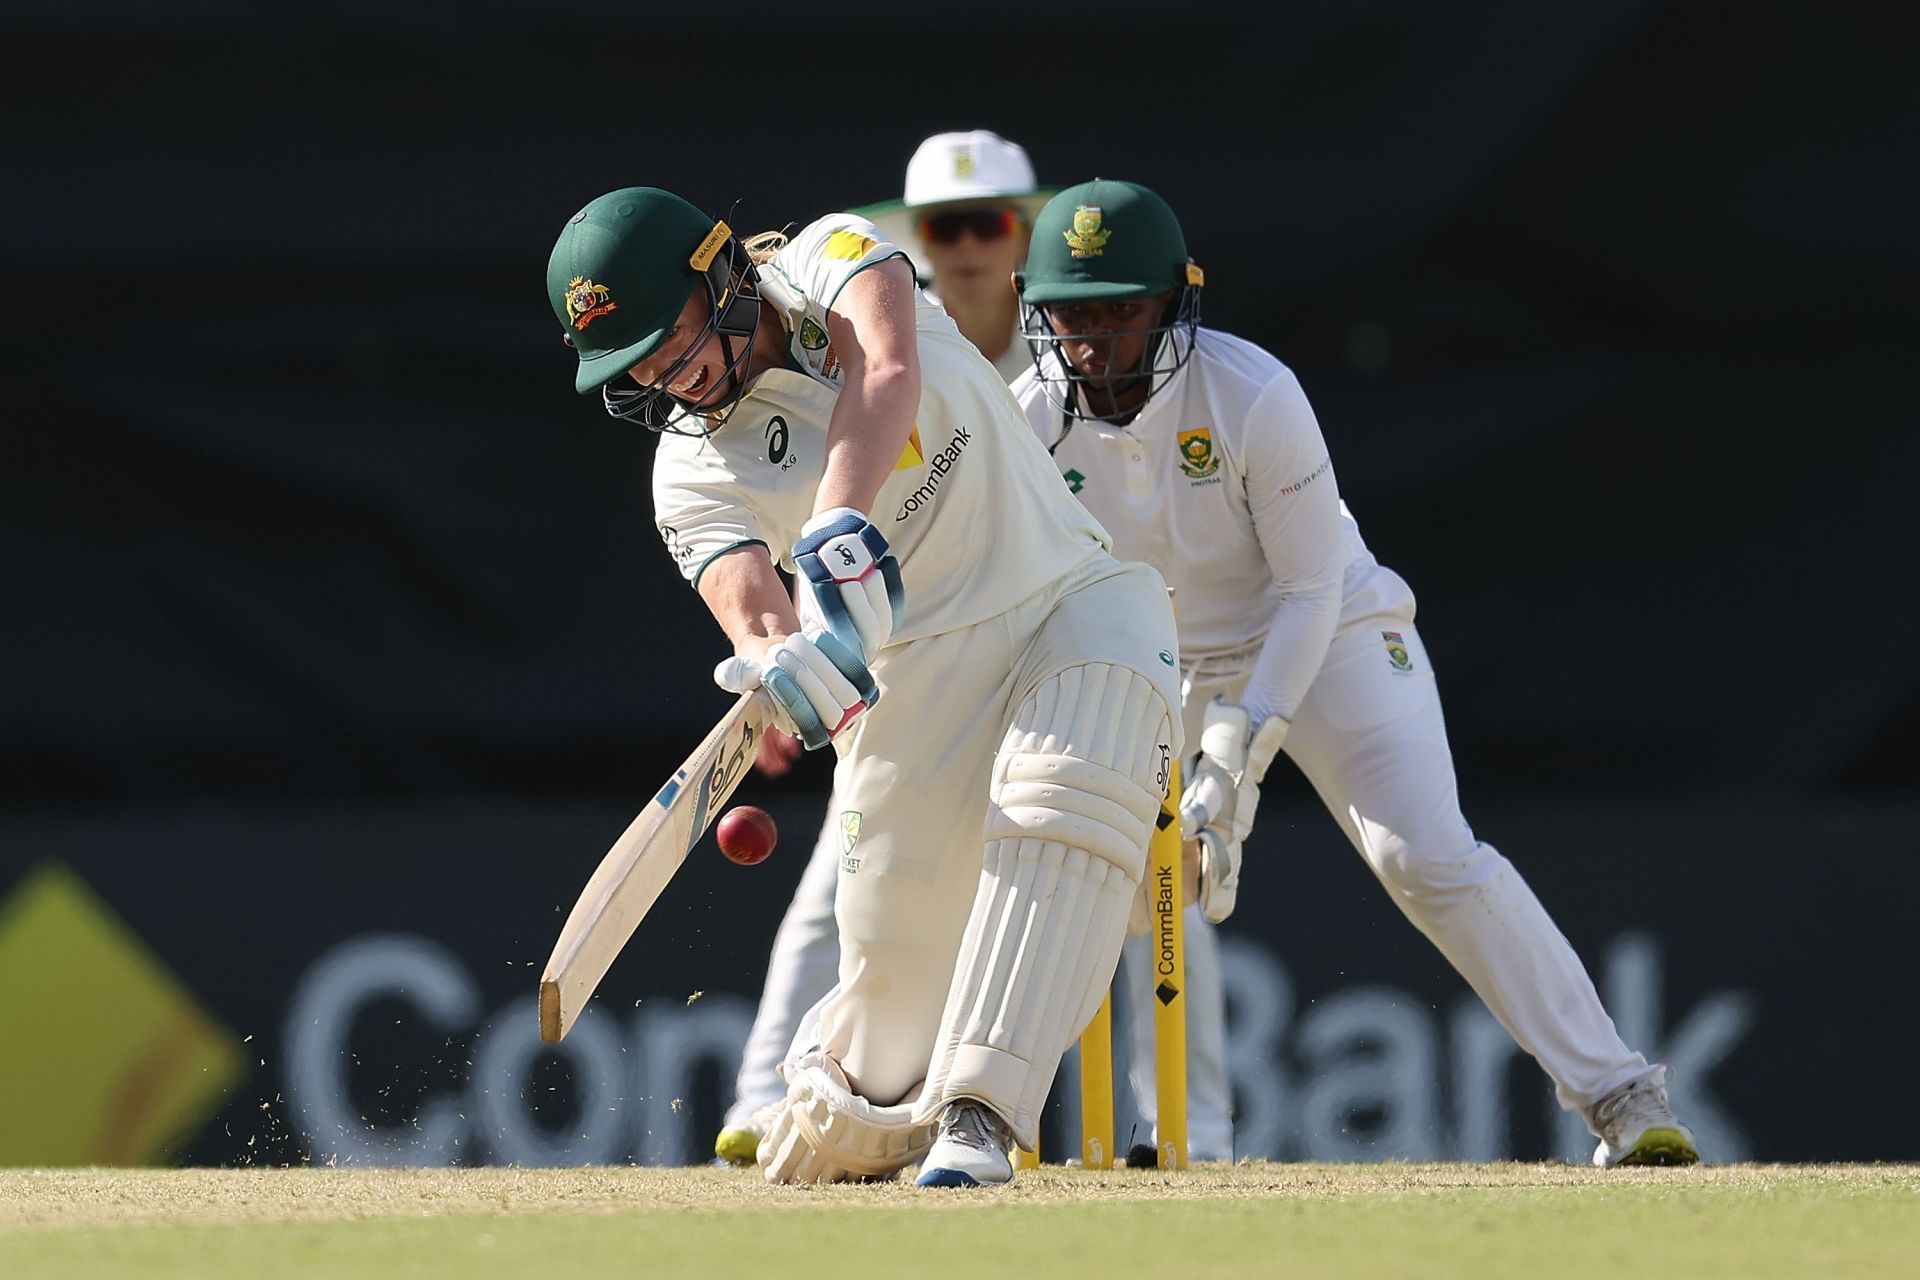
(1105, 241)
(619, 275)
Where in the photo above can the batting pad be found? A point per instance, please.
(1076, 786)
(824, 1132)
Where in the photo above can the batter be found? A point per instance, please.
(999, 689)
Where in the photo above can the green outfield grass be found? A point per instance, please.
(1265, 1220)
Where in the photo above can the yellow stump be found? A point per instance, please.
(1169, 952)
(1096, 1089)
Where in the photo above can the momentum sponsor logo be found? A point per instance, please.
(1326, 465)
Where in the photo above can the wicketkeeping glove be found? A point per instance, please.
(849, 581)
(1217, 806)
(819, 686)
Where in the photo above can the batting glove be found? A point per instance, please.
(818, 685)
(849, 581)
(1217, 807)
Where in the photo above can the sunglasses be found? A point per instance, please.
(986, 224)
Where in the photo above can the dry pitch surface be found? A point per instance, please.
(1249, 1219)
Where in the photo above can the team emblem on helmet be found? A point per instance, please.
(1397, 651)
(1197, 459)
(963, 162)
(587, 301)
(1087, 239)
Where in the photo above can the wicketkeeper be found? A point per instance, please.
(1199, 453)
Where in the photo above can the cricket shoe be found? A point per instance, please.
(1636, 1126)
(971, 1150)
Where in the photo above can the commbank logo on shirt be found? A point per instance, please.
(942, 463)
(914, 455)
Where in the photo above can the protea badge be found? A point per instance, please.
(1087, 239)
(1197, 458)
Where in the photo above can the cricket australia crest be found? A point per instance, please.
(1198, 461)
(587, 302)
(1088, 239)
(849, 837)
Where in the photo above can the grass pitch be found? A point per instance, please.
(1249, 1219)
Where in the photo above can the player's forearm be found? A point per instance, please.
(747, 598)
(1296, 644)
(871, 325)
(867, 434)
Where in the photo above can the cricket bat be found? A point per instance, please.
(636, 869)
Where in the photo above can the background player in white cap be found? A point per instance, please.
(1199, 453)
(998, 799)
(964, 217)
(969, 202)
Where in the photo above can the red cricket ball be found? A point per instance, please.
(746, 834)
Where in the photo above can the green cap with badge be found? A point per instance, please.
(1105, 240)
(620, 273)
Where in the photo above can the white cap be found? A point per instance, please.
(967, 166)
(955, 168)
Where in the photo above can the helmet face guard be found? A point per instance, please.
(1169, 345)
(733, 314)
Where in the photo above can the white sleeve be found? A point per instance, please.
(700, 518)
(1296, 515)
(1043, 415)
(817, 263)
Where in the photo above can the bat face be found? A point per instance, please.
(637, 868)
(730, 766)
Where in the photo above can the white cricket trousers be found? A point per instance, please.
(906, 842)
(1371, 740)
(804, 963)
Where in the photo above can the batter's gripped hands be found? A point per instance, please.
(818, 685)
(848, 582)
(779, 752)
